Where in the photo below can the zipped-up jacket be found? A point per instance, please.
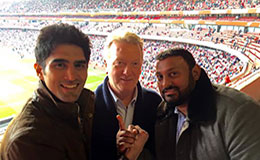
(49, 129)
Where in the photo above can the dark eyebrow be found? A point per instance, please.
(170, 70)
(59, 60)
(81, 61)
(66, 61)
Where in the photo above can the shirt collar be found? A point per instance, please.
(176, 111)
(116, 99)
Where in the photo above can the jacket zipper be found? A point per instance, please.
(80, 122)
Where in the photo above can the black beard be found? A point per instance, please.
(181, 99)
(184, 96)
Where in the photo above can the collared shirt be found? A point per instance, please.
(182, 125)
(126, 112)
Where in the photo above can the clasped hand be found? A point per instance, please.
(130, 141)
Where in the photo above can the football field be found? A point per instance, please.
(18, 81)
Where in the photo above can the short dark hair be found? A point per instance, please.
(185, 54)
(53, 35)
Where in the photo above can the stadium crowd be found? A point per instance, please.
(46, 6)
(20, 42)
(246, 43)
(216, 63)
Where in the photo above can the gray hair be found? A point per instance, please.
(121, 36)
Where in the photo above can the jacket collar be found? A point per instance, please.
(202, 103)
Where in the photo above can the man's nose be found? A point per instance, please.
(70, 74)
(127, 69)
(166, 82)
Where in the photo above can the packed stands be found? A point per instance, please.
(217, 63)
(189, 24)
(20, 42)
(50, 6)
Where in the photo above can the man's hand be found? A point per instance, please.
(125, 137)
(130, 141)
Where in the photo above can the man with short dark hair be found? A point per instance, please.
(56, 122)
(200, 120)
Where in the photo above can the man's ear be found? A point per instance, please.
(39, 70)
(196, 72)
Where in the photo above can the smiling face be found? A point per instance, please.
(175, 80)
(65, 72)
(124, 67)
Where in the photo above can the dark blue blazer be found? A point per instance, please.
(105, 124)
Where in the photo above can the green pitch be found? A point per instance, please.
(18, 81)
